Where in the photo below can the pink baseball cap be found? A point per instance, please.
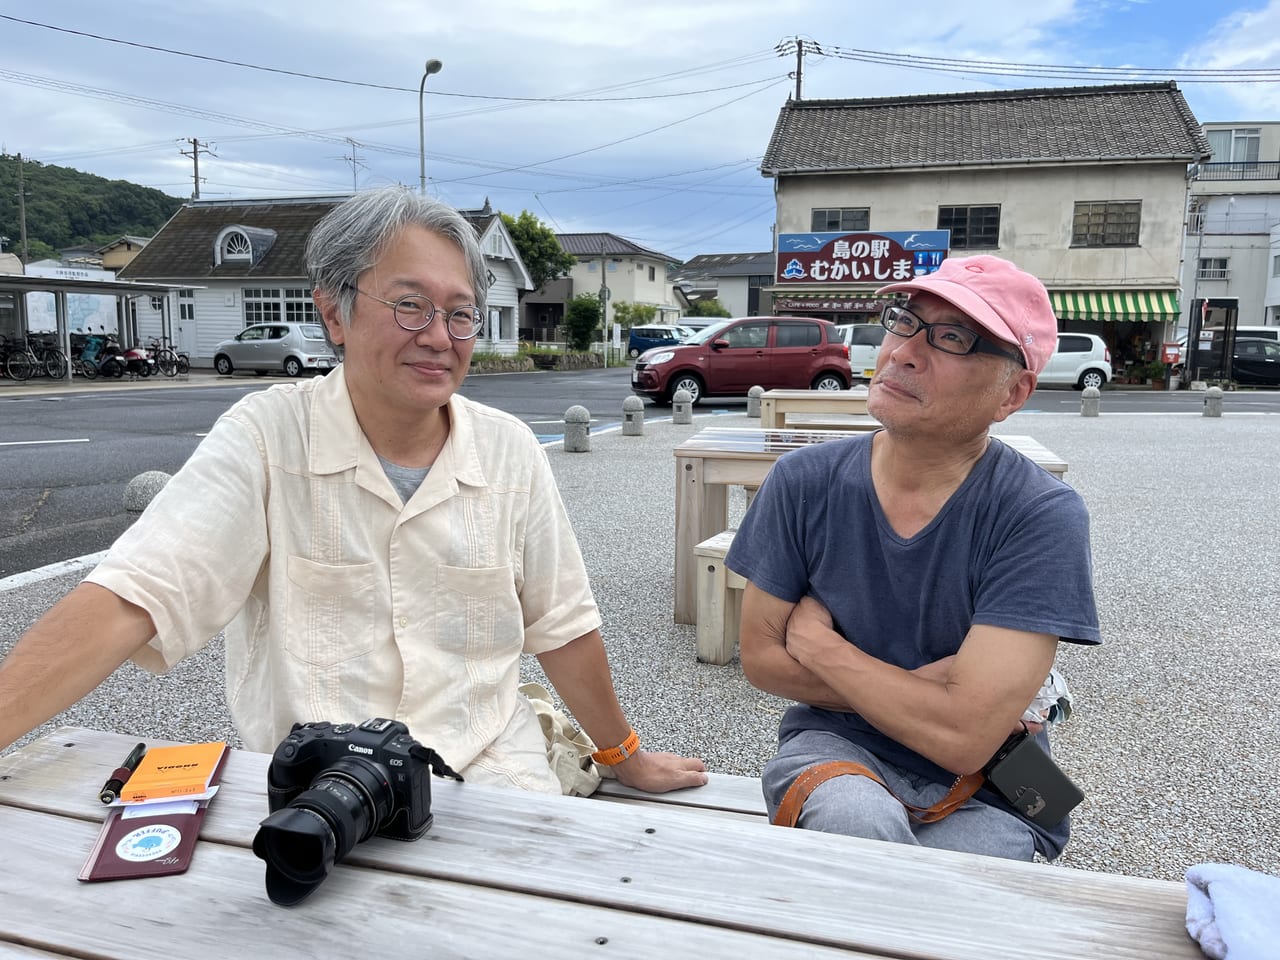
(1009, 303)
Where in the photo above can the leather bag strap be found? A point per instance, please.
(811, 778)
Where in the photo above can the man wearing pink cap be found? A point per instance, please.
(908, 588)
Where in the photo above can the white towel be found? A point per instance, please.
(1233, 912)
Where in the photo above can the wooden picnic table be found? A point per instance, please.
(716, 458)
(506, 873)
(776, 404)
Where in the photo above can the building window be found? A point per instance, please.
(1240, 145)
(1212, 268)
(971, 227)
(1275, 266)
(1106, 223)
(842, 219)
(186, 304)
(653, 274)
(298, 306)
(236, 246)
(265, 305)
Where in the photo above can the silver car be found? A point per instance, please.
(291, 348)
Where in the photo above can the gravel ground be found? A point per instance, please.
(1171, 740)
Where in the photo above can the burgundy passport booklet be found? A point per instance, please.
(148, 839)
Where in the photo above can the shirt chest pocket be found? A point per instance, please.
(478, 611)
(330, 616)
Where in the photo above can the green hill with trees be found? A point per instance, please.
(65, 207)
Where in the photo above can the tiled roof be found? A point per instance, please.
(183, 248)
(728, 265)
(584, 246)
(1138, 121)
(125, 238)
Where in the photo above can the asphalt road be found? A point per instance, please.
(66, 456)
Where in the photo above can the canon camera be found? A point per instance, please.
(331, 786)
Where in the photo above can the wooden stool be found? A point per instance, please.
(719, 600)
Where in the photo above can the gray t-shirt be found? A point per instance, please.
(406, 480)
(1010, 548)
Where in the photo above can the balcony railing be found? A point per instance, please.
(1253, 170)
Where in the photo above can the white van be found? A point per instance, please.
(863, 341)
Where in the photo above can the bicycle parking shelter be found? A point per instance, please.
(13, 306)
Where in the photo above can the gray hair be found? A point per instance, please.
(351, 237)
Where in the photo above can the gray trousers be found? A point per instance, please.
(860, 807)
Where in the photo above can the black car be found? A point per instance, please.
(1256, 361)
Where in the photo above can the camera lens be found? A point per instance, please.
(346, 804)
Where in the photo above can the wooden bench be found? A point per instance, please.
(719, 600)
(724, 795)
(776, 404)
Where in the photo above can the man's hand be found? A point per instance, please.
(660, 772)
(811, 633)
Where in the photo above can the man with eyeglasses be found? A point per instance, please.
(908, 588)
(374, 544)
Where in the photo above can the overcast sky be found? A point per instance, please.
(646, 119)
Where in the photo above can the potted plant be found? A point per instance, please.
(1155, 372)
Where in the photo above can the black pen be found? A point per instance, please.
(111, 789)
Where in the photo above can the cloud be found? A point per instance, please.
(677, 173)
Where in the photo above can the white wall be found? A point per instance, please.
(1036, 207)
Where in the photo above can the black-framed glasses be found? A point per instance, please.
(415, 312)
(947, 337)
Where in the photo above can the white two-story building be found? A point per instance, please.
(1085, 187)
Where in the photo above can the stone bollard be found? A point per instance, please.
(577, 427)
(753, 401)
(142, 489)
(1089, 400)
(682, 407)
(1213, 402)
(633, 417)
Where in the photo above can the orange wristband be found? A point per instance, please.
(615, 755)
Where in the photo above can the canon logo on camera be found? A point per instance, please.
(357, 749)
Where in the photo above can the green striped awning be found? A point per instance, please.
(1142, 305)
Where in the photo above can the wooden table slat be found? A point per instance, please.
(666, 861)
(219, 908)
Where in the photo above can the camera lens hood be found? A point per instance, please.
(299, 847)
(346, 804)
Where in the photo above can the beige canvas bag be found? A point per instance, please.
(568, 748)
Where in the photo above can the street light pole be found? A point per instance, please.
(432, 66)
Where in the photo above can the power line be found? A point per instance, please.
(383, 86)
(1056, 71)
(614, 143)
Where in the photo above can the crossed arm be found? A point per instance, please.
(956, 711)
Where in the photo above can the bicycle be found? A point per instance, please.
(168, 361)
(21, 362)
(51, 359)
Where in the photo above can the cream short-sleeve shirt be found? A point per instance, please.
(340, 602)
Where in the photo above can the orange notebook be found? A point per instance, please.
(173, 772)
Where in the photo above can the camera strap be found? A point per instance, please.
(812, 777)
(435, 761)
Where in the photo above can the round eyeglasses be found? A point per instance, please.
(947, 337)
(415, 312)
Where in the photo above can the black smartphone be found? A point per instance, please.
(1026, 776)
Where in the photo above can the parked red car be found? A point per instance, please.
(730, 357)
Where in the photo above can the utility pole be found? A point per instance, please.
(604, 305)
(799, 66)
(22, 213)
(196, 150)
(354, 161)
